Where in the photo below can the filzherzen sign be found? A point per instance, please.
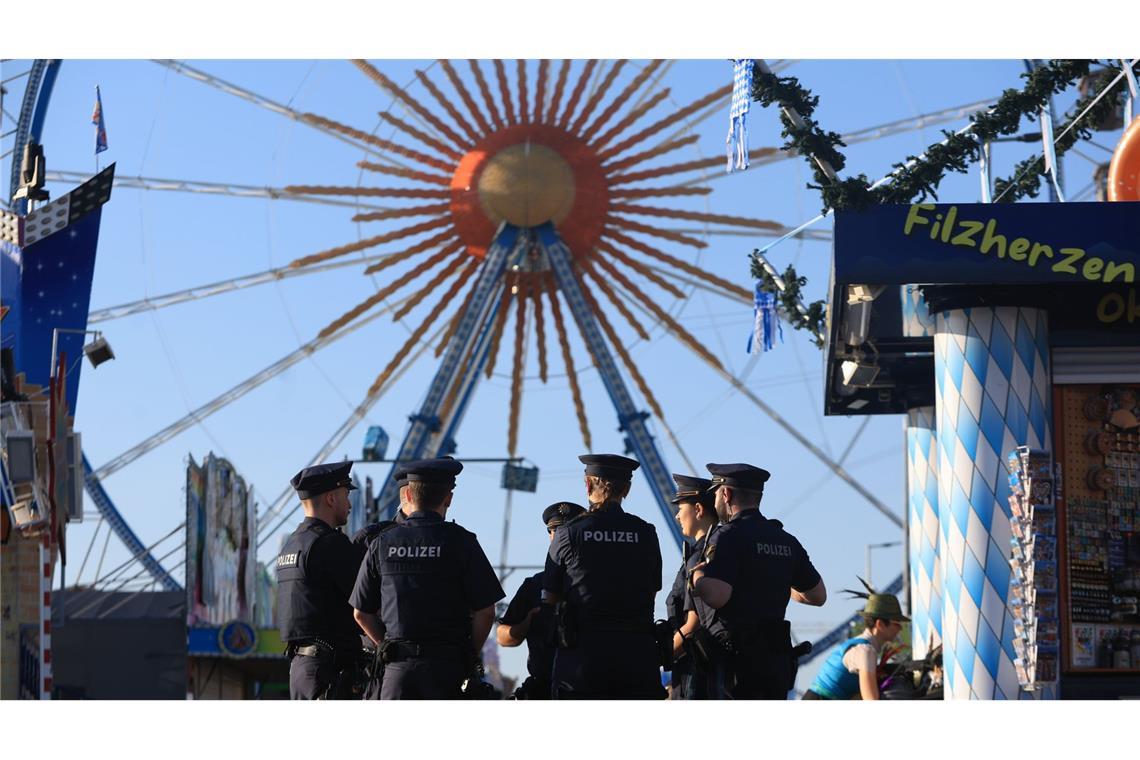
(978, 243)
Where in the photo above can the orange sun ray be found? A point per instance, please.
(672, 118)
(465, 95)
(662, 171)
(641, 269)
(360, 245)
(387, 145)
(426, 245)
(676, 237)
(536, 292)
(517, 367)
(399, 93)
(420, 135)
(621, 99)
(568, 360)
(485, 91)
(645, 155)
(559, 86)
(661, 192)
(512, 279)
(596, 98)
(452, 111)
(540, 87)
(576, 94)
(630, 118)
(695, 216)
(505, 91)
(524, 105)
(616, 300)
(396, 171)
(374, 192)
(681, 264)
(426, 289)
(398, 213)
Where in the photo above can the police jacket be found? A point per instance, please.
(540, 635)
(425, 577)
(315, 573)
(762, 562)
(606, 564)
(675, 606)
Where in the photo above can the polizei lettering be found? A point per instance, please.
(611, 536)
(774, 550)
(287, 560)
(413, 552)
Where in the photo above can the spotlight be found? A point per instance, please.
(98, 351)
(858, 373)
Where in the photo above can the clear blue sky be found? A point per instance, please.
(164, 125)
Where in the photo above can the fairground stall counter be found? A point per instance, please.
(1009, 337)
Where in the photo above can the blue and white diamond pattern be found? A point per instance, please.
(923, 539)
(993, 394)
(917, 321)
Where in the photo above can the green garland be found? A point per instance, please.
(917, 177)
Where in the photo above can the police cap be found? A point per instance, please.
(609, 466)
(441, 471)
(738, 475)
(560, 512)
(320, 478)
(690, 488)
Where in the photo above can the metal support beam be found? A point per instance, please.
(630, 419)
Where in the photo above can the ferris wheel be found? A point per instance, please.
(519, 222)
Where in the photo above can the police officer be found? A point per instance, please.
(696, 515)
(751, 568)
(315, 573)
(426, 593)
(364, 537)
(527, 619)
(603, 570)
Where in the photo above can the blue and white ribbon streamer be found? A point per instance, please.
(766, 324)
(737, 140)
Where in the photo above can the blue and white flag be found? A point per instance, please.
(737, 141)
(100, 126)
(766, 322)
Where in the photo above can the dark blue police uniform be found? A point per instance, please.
(425, 577)
(685, 683)
(762, 562)
(606, 567)
(316, 569)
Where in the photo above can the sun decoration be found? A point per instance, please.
(527, 163)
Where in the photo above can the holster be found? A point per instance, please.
(565, 626)
(704, 648)
(663, 631)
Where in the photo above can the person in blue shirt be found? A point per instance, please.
(852, 668)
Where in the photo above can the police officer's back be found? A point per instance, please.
(752, 568)
(316, 569)
(604, 569)
(426, 592)
(528, 619)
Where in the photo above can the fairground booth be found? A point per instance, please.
(1009, 337)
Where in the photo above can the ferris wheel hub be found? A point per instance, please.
(527, 184)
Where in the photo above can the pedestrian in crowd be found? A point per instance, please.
(603, 572)
(852, 668)
(426, 593)
(696, 515)
(528, 619)
(316, 569)
(750, 569)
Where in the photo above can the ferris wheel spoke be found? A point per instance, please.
(517, 367)
(665, 68)
(567, 359)
(396, 284)
(738, 296)
(426, 177)
(696, 216)
(504, 91)
(387, 145)
(452, 111)
(537, 291)
(603, 88)
(402, 95)
(754, 155)
(524, 103)
(422, 136)
(607, 290)
(641, 269)
(371, 242)
(540, 88)
(660, 192)
(444, 274)
(559, 88)
(630, 118)
(576, 93)
(620, 100)
(509, 292)
(394, 258)
(666, 122)
(629, 224)
(646, 155)
(674, 327)
(186, 70)
(717, 108)
(465, 95)
(680, 264)
(398, 213)
(376, 192)
(824, 235)
(485, 91)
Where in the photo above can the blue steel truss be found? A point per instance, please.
(30, 123)
(122, 530)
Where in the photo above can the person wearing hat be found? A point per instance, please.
(527, 619)
(852, 667)
(750, 570)
(426, 593)
(696, 515)
(603, 571)
(316, 569)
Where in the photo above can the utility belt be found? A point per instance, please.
(398, 651)
(342, 656)
(769, 636)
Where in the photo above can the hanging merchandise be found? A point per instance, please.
(737, 140)
(766, 321)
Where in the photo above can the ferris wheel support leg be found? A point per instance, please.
(115, 520)
(631, 419)
(426, 427)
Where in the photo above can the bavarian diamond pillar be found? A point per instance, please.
(923, 533)
(992, 394)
